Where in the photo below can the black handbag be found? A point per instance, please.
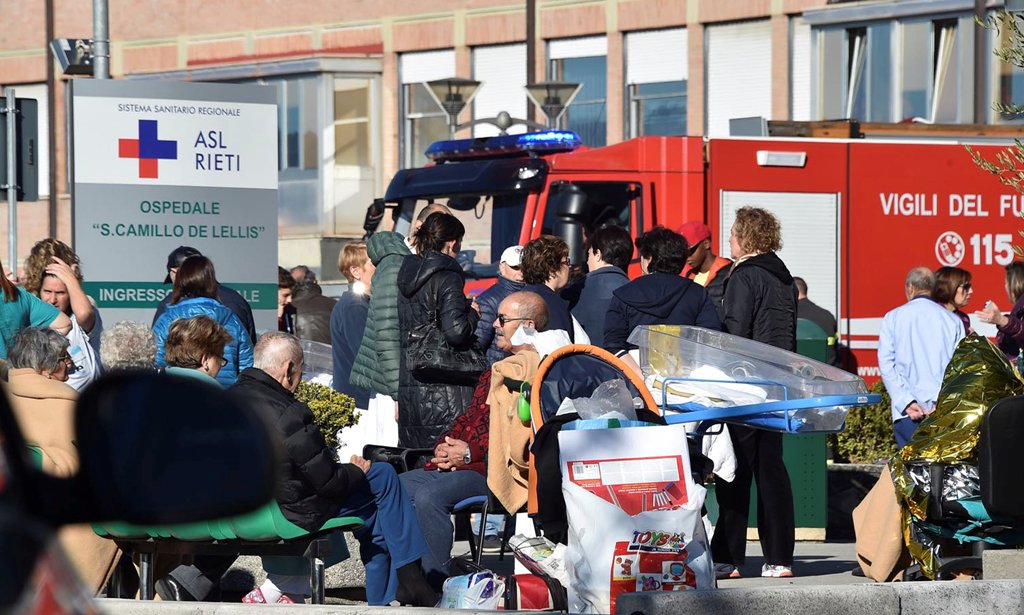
(431, 359)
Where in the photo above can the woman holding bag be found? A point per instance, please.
(437, 323)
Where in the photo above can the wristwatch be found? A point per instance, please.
(468, 456)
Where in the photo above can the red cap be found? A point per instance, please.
(695, 232)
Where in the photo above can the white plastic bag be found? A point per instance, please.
(634, 515)
(481, 590)
(610, 400)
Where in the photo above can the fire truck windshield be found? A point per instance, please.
(492, 222)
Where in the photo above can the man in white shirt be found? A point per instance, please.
(915, 344)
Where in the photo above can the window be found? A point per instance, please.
(657, 109)
(425, 123)
(298, 124)
(352, 122)
(607, 203)
(586, 116)
(869, 73)
(422, 121)
(656, 74)
(944, 107)
(894, 70)
(1011, 79)
(501, 71)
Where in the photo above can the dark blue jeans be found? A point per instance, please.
(904, 429)
(434, 494)
(391, 537)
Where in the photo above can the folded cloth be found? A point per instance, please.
(508, 457)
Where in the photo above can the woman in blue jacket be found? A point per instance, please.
(194, 294)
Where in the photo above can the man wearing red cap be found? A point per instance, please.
(702, 265)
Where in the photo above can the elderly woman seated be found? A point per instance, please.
(194, 348)
(45, 409)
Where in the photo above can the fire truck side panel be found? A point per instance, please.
(923, 205)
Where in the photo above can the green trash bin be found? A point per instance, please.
(805, 457)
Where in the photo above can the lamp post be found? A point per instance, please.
(453, 95)
(553, 98)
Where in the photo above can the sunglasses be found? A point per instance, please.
(502, 319)
(69, 363)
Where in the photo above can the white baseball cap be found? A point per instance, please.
(512, 256)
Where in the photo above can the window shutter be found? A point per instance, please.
(739, 69)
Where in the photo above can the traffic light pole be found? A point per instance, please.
(11, 109)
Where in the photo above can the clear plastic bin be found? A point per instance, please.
(713, 375)
(318, 363)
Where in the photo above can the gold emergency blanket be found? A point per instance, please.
(977, 376)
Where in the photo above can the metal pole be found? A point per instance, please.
(101, 40)
(12, 180)
(51, 124)
(980, 55)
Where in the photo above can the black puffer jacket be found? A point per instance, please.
(311, 486)
(431, 283)
(760, 301)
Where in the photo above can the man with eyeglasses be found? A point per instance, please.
(915, 344)
(510, 280)
(703, 266)
(458, 469)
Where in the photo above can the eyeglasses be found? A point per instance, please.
(966, 286)
(502, 319)
(68, 363)
(223, 361)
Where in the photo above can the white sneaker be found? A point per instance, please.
(776, 571)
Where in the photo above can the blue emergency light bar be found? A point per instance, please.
(547, 142)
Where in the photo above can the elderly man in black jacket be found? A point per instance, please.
(313, 487)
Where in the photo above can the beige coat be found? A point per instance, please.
(508, 457)
(45, 410)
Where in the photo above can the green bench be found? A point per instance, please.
(264, 531)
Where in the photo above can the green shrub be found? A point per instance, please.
(868, 437)
(331, 410)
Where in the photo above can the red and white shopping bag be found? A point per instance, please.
(634, 515)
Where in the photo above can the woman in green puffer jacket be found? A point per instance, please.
(376, 364)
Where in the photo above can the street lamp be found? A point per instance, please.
(453, 95)
(553, 98)
(75, 55)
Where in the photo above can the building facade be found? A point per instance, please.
(353, 107)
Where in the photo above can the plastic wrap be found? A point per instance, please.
(690, 368)
(318, 362)
(977, 376)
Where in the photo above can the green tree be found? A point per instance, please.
(1008, 164)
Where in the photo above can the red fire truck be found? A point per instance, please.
(856, 213)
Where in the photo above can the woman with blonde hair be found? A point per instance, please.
(376, 423)
(53, 274)
(760, 304)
